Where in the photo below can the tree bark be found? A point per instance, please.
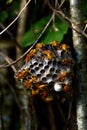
(21, 25)
(25, 119)
(81, 65)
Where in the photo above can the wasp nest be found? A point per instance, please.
(48, 69)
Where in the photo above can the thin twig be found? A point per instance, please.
(8, 60)
(15, 18)
(61, 4)
(61, 14)
(12, 37)
(14, 62)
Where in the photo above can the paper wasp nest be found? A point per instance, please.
(48, 70)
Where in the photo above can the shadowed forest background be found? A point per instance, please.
(42, 21)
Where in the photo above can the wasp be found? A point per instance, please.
(61, 76)
(37, 89)
(28, 83)
(45, 95)
(67, 61)
(43, 92)
(30, 55)
(39, 46)
(64, 47)
(35, 92)
(21, 74)
(49, 55)
(67, 89)
(55, 43)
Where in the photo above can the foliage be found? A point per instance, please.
(84, 9)
(8, 9)
(38, 16)
(56, 31)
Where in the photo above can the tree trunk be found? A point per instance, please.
(81, 65)
(25, 120)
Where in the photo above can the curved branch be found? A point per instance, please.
(8, 60)
(62, 16)
(12, 37)
(15, 18)
(24, 54)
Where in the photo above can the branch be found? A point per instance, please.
(15, 18)
(62, 16)
(45, 28)
(81, 65)
(21, 21)
(21, 26)
(8, 60)
(12, 37)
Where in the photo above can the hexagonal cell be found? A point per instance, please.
(44, 79)
(31, 66)
(49, 62)
(36, 68)
(32, 71)
(54, 76)
(38, 75)
(57, 70)
(42, 71)
(46, 67)
(54, 63)
(36, 63)
(52, 69)
(40, 64)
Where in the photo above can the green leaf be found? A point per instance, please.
(32, 34)
(55, 31)
(9, 13)
(84, 8)
(9, 1)
(3, 16)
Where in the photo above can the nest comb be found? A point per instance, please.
(48, 71)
